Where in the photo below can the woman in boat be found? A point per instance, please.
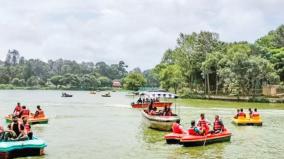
(177, 128)
(236, 116)
(194, 130)
(17, 109)
(218, 125)
(39, 112)
(203, 123)
(27, 128)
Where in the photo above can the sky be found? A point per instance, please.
(135, 31)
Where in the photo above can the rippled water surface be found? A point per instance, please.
(90, 126)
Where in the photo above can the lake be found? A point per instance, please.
(90, 126)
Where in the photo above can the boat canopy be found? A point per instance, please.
(159, 94)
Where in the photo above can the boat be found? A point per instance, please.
(241, 120)
(173, 138)
(194, 140)
(31, 119)
(66, 95)
(155, 104)
(158, 122)
(106, 95)
(13, 149)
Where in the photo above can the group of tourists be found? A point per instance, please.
(240, 113)
(202, 127)
(19, 129)
(167, 111)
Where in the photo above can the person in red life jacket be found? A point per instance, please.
(218, 125)
(241, 113)
(39, 112)
(203, 124)
(255, 113)
(17, 109)
(236, 116)
(194, 130)
(27, 128)
(25, 112)
(177, 128)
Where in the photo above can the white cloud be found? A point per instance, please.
(137, 32)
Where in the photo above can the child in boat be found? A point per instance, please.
(177, 128)
(194, 130)
(236, 116)
(203, 123)
(218, 125)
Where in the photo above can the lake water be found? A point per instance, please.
(90, 126)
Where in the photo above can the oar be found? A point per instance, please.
(205, 140)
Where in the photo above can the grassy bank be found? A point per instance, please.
(227, 104)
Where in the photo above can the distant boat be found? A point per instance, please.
(66, 95)
(106, 95)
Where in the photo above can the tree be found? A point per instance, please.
(134, 80)
(56, 80)
(105, 82)
(171, 77)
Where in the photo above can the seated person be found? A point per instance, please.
(203, 124)
(177, 128)
(15, 131)
(236, 116)
(27, 128)
(241, 113)
(17, 109)
(194, 130)
(39, 112)
(153, 111)
(25, 112)
(255, 113)
(139, 101)
(218, 125)
(167, 111)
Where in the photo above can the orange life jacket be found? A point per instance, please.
(39, 114)
(18, 108)
(217, 125)
(242, 114)
(176, 128)
(26, 112)
(192, 132)
(255, 114)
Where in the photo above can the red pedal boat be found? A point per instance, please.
(155, 104)
(190, 140)
(173, 138)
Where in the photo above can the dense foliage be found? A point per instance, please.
(201, 63)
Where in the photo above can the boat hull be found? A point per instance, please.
(163, 123)
(13, 149)
(155, 104)
(173, 138)
(31, 120)
(247, 121)
(190, 140)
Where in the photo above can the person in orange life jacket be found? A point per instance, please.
(250, 112)
(25, 112)
(218, 125)
(241, 113)
(203, 123)
(255, 113)
(236, 116)
(177, 128)
(17, 109)
(27, 128)
(39, 112)
(194, 130)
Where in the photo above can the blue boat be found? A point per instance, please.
(12, 149)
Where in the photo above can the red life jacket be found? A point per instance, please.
(18, 108)
(28, 127)
(192, 132)
(204, 125)
(26, 112)
(255, 114)
(176, 128)
(217, 125)
(242, 114)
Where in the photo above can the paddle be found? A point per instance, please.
(205, 140)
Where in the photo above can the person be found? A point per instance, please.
(194, 130)
(167, 111)
(177, 128)
(255, 113)
(27, 128)
(236, 116)
(218, 125)
(150, 107)
(25, 112)
(39, 112)
(203, 124)
(153, 111)
(143, 101)
(16, 131)
(139, 101)
(250, 112)
(241, 113)
(17, 109)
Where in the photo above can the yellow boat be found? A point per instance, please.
(241, 120)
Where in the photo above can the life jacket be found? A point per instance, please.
(18, 108)
(242, 114)
(192, 132)
(176, 128)
(26, 112)
(40, 114)
(217, 125)
(203, 124)
(255, 114)
(27, 127)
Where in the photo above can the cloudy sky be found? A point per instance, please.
(137, 32)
